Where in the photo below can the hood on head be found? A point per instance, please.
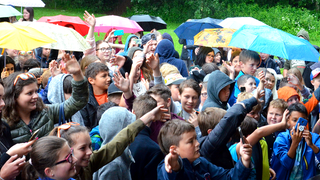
(55, 89)
(286, 92)
(165, 49)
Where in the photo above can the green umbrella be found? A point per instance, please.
(8, 11)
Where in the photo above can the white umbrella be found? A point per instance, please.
(67, 38)
(23, 3)
(238, 22)
(8, 11)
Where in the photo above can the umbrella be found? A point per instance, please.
(219, 37)
(22, 38)
(8, 11)
(191, 28)
(23, 3)
(273, 41)
(105, 23)
(148, 22)
(67, 38)
(69, 21)
(238, 22)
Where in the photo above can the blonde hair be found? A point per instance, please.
(246, 95)
(166, 69)
(297, 73)
(209, 118)
(45, 77)
(279, 104)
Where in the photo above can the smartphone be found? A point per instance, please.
(137, 41)
(242, 89)
(34, 135)
(303, 123)
(241, 135)
(118, 33)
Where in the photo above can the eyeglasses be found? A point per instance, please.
(22, 53)
(23, 76)
(210, 55)
(68, 158)
(104, 49)
(66, 126)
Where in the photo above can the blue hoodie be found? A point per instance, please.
(126, 47)
(165, 50)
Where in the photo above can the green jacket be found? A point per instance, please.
(110, 151)
(45, 120)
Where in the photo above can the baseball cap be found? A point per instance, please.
(314, 73)
(147, 38)
(175, 78)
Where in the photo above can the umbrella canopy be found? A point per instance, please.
(67, 38)
(148, 22)
(273, 41)
(105, 23)
(219, 37)
(8, 11)
(23, 3)
(238, 22)
(22, 38)
(191, 28)
(68, 21)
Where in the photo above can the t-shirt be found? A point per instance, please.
(102, 98)
(299, 64)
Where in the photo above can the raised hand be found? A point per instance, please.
(4, 73)
(171, 161)
(285, 118)
(294, 80)
(156, 114)
(296, 135)
(245, 152)
(89, 19)
(120, 82)
(54, 69)
(153, 61)
(118, 60)
(21, 149)
(193, 119)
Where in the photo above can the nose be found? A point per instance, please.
(89, 152)
(2, 103)
(35, 95)
(273, 116)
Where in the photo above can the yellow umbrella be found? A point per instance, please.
(21, 37)
(218, 37)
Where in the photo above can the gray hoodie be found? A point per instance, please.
(56, 95)
(111, 123)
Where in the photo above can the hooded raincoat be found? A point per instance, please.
(126, 47)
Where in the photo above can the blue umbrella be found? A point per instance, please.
(191, 28)
(273, 41)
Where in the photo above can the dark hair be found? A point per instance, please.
(190, 83)
(67, 85)
(244, 78)
(248, 125)
(2, 127)
(171, 132)
(11, 93)
(201, 56)
(95, 68)
(9, 60)
(103, 107)
(209, 118)
(299, 108)
(30, 10)
(162, 90)
(67, 134)
(283, 82)
(29, 64)
(143, 104)
(209, 67)
(45, 152)
(246, 55)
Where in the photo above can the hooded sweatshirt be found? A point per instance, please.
(56, 95)
(126, 47)
(165, 50)
(111, 123)
(217, 81)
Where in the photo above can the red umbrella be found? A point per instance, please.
(68, 21)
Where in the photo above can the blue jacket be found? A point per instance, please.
(203, 169)
(282, 164)
(126, 47)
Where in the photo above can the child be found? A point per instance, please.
(99, 81)
(204, 94)
(220, 87)
(114, 94)
(52, 158)
(177, 139)
(79, 139)
(247, 82)
(295, 150)
(25, 111)
(249, 61)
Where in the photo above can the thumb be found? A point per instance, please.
(12, 158)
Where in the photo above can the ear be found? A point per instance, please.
(168, 102)
(241, 64)
(91, 80)
(312, 82)
(133, 112)
(49, 172)
(209, 131)
(175, 149)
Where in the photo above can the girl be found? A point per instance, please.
(27, 14)
(9, 68)
(205, 55)
(24, 110)
(52, 158)
(79, 139)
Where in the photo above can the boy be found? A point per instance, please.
(219, 90)
(177, 139)
(114, 94)
(249, 61)
(99, 81)
(295, 150)
(248, 82)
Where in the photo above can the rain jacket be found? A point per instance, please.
(126, 47)
(282, 164)
(112, 122)
(165, 50)
(217, 81)
(45, 119)
(56, 95)
(89, 112)
(213, 147)
(111, 150)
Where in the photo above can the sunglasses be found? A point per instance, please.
(68, 158)
(66, 126)
(24, 76)
(22, 53)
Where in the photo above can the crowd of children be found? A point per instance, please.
(141, 114)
